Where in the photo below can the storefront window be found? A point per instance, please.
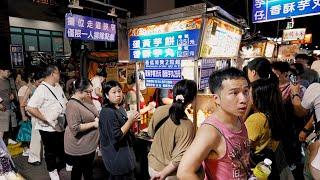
(30, 31)
(14, 29)
(16, 39)
(57, 43)
(57, 33)
(38, 39)
(42, 32)
(45, 43)
(30, 43)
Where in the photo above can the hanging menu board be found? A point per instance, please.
(162, 73)
(178, 39)
(221, 39)
(17, 56)
(207, 68)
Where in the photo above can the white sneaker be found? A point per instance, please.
(54, 175)
(25, 152)
(68, 167)
(10, 141)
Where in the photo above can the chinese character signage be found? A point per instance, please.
(221, 39)
(271, 10)
(207, 68)
(162, 73)
(88, 28)
(17, 57)
(286, 52)
(293, 34)
(170, 40)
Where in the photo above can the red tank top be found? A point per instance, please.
(229, 166)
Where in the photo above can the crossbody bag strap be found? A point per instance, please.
(53, 95)
(83, 106)
(238, 156)
(160, 123)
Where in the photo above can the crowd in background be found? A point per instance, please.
(267, 110)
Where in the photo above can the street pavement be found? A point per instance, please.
(31, 172)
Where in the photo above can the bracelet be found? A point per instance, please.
(306, 130)
(294, 95)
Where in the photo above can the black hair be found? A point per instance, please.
(293, 71)
(302, 56)
(267, 99)
(106, 87)
(36, 76)
(26, 77)
(245, 70)
(101, 71)
(188, 90)
(281, 66)
(310, 60)
(49, 70)
(263, 68)
(216, 78)
(131, 79)
(299, 68)
(79, 85)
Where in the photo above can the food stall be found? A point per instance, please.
(219, 49)
(262, 48)
(187, 42)
(184, 43)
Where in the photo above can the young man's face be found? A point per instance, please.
(233, 96)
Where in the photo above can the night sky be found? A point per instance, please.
(238, 8)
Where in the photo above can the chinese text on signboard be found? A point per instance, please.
(170, 40)
(271, 10)
(207, 68)
(221, 39)
(162, 73)
(293, 34)
(88, 28)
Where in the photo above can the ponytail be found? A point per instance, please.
(184, 92)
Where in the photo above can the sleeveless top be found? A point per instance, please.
(229, 166)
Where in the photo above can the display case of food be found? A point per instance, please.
(204, 106)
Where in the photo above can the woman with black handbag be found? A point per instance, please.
(116, 139)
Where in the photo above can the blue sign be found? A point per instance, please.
(271, 10)
(162, 73)
(207, 68)
(88, 28)
(179, 44)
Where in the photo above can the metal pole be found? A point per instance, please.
(137, 67)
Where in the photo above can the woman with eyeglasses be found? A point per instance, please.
(81, 135)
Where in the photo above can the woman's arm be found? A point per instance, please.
(74, 120)
(165, 172)
(89, 125)
(131, 118)
(118, 130)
